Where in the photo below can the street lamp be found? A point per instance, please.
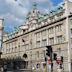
(1, 39)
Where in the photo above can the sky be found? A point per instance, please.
(14, 12)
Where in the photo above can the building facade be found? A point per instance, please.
(39, 31)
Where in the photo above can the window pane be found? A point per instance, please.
(51, 41)
(59, 39)
(44, 42)
(51, 31)
(71, 31)
(38, 44)
(59, 27)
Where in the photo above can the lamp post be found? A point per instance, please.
(1, 38)
(1, 34)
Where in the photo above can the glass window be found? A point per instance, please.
(15, 49)
(44, 42)
(27, 46)
(43, 33)
(44, 53)
(51, 41)
(71, 40)
(37, 54)
(51, 30)
(38, 35)
(37, 43)
(31, 55)
(59, 28)
(6, 50)
(59, 39)
(71, 31)
(10, 45)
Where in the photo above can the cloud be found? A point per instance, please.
(41, 0)
(10, 21)
(15, 11)
(12, 17)
(70, 0)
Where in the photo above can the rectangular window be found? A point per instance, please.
(71, 31)
(10, 45)
(14, 44)
(38, 35)
(37, 53)
(7, 47)
(51, 31)
(59, 28)
(22, 48)
(71, 40)
(27, 46)
(51, 41)
(59, 39)
(37, 43)
(44, 42)
(43, 53)
(43, 33)
(15, 49)
(31, 55)
(6, 50)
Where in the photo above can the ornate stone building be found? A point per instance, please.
(39, 31)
